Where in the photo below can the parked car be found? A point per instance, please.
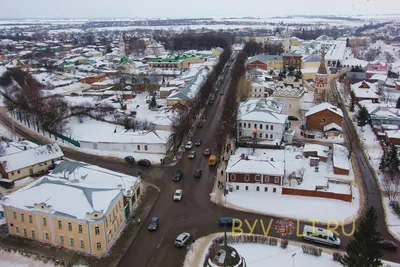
(129, 159)
(207, 152)
(178, 195)
(227, 221)
(298, 143)
(189, 145)
(144, 162)
(155, 221)
(388, 245)
(177, 176)
(197, 173)
(182, 240)
(198, 142)
(192, 154)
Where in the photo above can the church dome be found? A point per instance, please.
(291, 67)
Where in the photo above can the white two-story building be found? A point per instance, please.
(261, 121)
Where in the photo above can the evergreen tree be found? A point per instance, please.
(153, 103)
(393, 159)
(109, 50)
(363, 250)
(398, 103)
(347, 42)
(363, 117)
(352, 101)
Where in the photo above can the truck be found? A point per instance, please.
(212, 160)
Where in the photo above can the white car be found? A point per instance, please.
(189, 145)
(178, 195)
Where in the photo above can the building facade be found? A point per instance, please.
(321, 82)
(322, 115)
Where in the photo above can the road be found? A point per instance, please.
(196, 214)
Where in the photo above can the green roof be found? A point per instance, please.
(125, 60)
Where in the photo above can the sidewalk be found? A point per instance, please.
(218, 194)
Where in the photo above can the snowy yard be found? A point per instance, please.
(14, 259)
(295, 207)
(261, 255)
(154, 158)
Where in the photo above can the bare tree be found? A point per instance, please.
(254, 141)
(391, 186)
(119, 97)
(301, 172)
(244, 88)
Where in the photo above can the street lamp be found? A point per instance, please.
(294, 254)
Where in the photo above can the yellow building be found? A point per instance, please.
(27, 161)
(294, 41)
(78, 206)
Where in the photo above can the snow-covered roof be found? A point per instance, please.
(30, 157)
(324, 106)
(331, 126)
(91, 175)
(379, 77)
(255, 165)
(355, 62)
(261, 110)
(64, 199)
(393, 134)
(340, 158)
(321, 150)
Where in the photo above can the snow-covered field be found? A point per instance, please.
(261, 255)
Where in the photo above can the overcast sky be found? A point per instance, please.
(191, 8)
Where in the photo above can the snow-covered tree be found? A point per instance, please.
(398, 103)
(363, 117)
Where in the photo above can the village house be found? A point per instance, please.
(381, 114)
(393, 137)
(154, 49)
(174, 63)
(265, 62)
(316, 151)
(377, 67)
(28, 161)
(94, 79)
(100, 204)
(250, 173)
(324, 117)
(364, 90)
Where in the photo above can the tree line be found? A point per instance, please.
(252, 48)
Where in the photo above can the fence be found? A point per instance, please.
(63, 137)
(321, 194)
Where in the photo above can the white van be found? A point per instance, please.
(320, 235)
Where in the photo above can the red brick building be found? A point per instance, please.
(247, 173)
(94, 79)
(321, 115)
(292, 59)
(393, 137)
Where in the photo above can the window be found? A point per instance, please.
(240, 133)
(272, 127)
(25, 234)
(265, 189)
(69, 227)
(138, 147)
(271, 136)
(14, 215)
(82, 244)
(258, 188)
(18, 172)
(237, 187)
(71, 242)
(80, 228)
(255, 126)
(247, 177)
(33, 234)
(277, 180)
(30, 218)
(59, 225)
(145, 147)
(258, 178)
(22, 217)
(97, 230)
(323, 121)
(240, 125)
(46, 236)
(12, 173)
(266, 135)
(98, 245)
(119, 205)
(266, 127)
(106, 222)
(260, 126)
(246, 187)
(17, 230)
(260, 135)
(61, 240)
(274, 190)
(266, 179)
(44, 222)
